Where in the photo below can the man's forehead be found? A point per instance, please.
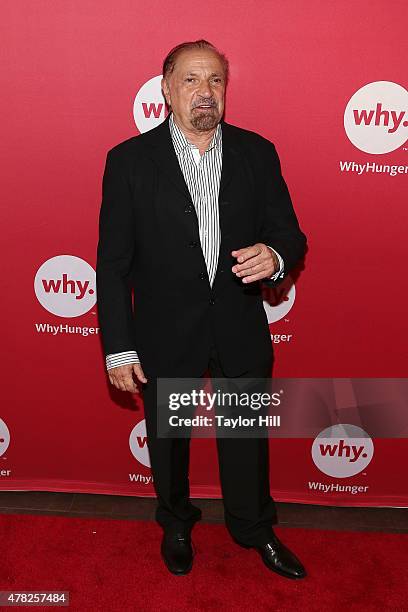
(191, 60)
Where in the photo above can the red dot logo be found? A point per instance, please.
(376, 117)
(342, 450)
(4, 437)
(149, 108)
(138, 443)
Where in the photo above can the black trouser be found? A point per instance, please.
(249, 509)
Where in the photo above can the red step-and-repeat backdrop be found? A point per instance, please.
(326, 82)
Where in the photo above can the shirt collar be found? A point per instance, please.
(181, 143)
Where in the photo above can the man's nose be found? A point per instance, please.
(205, 89)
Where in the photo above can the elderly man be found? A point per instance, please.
(195, 215)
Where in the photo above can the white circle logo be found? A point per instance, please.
(342, 450)
(280, 300)
(149, 108)
(66, 286)
(376, 117)
(138, 443)
(4, 437)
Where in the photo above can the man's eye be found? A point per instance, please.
(189, 79)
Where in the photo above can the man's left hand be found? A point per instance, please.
(255, 262)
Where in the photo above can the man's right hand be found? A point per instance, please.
(122, 377)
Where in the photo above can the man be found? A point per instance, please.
(195, 215)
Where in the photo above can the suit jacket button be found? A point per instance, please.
(212, 301)
(192, 244)
(188, 209)
(202, 275)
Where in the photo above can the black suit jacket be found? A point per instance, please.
(149, 242)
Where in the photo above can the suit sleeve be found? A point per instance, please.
(280, 226)
(115, 253)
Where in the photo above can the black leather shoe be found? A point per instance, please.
(280, 559)
(177, 552)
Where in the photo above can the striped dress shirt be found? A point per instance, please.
(202, 174)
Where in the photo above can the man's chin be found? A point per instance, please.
(204, 121)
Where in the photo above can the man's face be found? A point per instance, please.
(195, 89)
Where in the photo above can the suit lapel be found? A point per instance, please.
(229, 158)
(162, 150)
(231, 166)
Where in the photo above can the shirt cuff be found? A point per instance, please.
(113, 360)
(280, 272)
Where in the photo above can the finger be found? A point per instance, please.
(246, 253)
(238, 252)
(253, 270)
(122, 378)
(254, 277)
(130, 384)
(139, 373)
(246, 256)
(118, 382)
(113, 380)
(259, 260)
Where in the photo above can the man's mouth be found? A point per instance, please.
(205, 106)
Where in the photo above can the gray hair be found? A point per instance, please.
(170, 59)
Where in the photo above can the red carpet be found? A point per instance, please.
(115, 565)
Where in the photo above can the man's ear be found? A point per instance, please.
(165, 90)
